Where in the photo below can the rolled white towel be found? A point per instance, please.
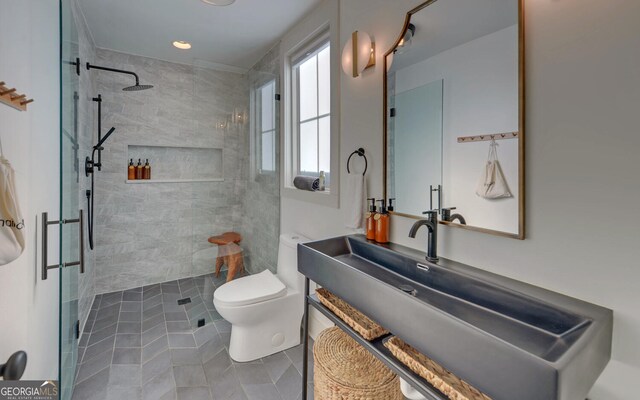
(355, 199)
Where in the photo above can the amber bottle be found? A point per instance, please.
(146, 174)
(131, 174)
(139, 169)
(371, 222)
(382, 224)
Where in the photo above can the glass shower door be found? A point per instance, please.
(69, 200)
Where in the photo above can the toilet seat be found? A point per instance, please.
(250, 289)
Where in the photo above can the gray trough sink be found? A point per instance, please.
(507, 338)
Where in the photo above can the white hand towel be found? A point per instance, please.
(355, 199)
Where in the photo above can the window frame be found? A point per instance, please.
(258, 133)
(303, 37)
(310, 51)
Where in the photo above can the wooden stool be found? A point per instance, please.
(228, 253)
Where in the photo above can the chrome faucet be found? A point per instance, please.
(432, 224)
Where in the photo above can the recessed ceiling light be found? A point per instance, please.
(182, 45)
(219, 2)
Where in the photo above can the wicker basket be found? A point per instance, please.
(344, 370)
(450, 385)
(352, 317)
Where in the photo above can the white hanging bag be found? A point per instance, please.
(492, 184)
(11, 222)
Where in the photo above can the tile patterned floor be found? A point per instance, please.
(140, 344)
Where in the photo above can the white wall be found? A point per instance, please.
(29, 61)
(583, 187)
(480, 97)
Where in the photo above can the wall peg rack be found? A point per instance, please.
(488, 137)
(10, 97)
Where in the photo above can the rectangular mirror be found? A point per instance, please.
(454, 112)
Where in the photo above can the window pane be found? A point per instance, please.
(324, 143)
(324, 82)
(268, 151)
(267, 100)
(309, 146)
(308, 75)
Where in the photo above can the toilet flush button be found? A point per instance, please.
(277, 340)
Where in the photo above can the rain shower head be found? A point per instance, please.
(137, 87)
(134, 88)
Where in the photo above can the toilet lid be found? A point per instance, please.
(250, 290)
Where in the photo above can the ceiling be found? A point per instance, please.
(237, 35)
(446, 24)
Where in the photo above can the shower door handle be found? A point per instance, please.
(45, 243)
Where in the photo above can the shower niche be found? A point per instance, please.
(177, 163)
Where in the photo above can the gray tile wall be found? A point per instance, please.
(158, 232)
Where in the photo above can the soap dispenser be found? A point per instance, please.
(371, 222)
(390, 208)
(131, 174)
(146, 173)
(382, 224)
(139, 169)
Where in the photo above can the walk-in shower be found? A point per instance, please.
(211, 138)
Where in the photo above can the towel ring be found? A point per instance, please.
(359, 152)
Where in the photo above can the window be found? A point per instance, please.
(312, 111)
(310, 67)
(265, 128)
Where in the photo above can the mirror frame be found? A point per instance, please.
(521, 124)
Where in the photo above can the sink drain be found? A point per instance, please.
(408, 289)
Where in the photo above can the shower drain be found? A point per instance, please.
(184, 301)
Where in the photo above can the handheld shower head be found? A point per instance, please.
(104, 138)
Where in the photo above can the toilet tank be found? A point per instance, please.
(288, 260)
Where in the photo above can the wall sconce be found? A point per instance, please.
(358, 54)
(221, 124)
(406, 40)
(239, 116)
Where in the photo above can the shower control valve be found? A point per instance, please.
(88, 166)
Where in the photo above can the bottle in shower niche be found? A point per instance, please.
(131, 171)
(371, 222)
(321, 181)
(146, 173)
(139, 169)
(382, 224)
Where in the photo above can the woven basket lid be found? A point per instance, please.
(346, 362)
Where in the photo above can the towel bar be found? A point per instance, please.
(359, 152)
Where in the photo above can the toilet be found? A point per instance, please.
(265, 310)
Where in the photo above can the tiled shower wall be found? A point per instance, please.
(156, 232)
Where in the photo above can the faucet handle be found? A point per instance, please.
(449, 208)
(432, 215)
